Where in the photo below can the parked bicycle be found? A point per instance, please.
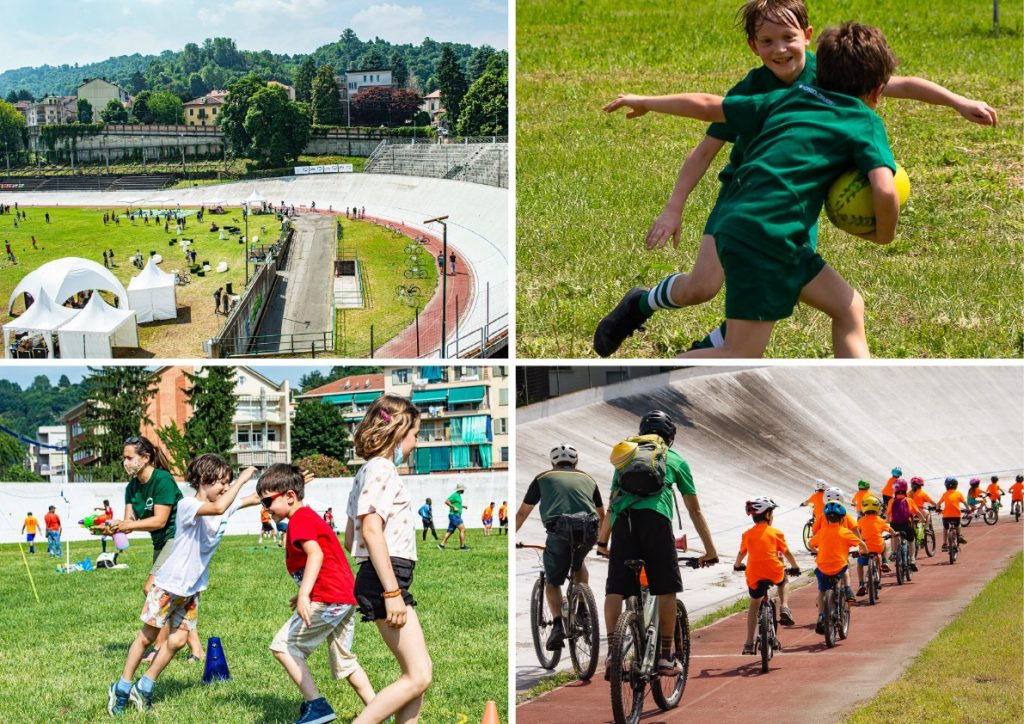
(409, 293)
(579, 620)
(633, 652)
(766, 638)
(836, 610)
(181, 278)
(415, 272)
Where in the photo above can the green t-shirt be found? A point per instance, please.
(456, 500)
(677, 472)
(563, 492)
(800, 140)
(757, 82)
(160, 489)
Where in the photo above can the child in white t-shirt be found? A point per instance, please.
(381, 534)
(174, 596)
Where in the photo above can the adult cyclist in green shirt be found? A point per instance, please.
(455, 508)
(642, 528)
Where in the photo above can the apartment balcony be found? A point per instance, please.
(259, 458)
(270, 445)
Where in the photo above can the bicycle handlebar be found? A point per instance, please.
(529, 545)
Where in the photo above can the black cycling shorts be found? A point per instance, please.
(948, 523)
(645, 534)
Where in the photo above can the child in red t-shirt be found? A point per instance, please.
(325, 606)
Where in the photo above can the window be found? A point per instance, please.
(401, 376)
(503, 396)
(501, 426)
(191, 111)
(214, 110)
(504, 454)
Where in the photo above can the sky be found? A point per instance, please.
(86, 31)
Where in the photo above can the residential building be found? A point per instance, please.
(50, 457)
(204, 111)
(52, 110)
(432, 106)
(262, 420)
(99, 92)
(290, 90)
(355, 80)
(81, 456)
(464, 423)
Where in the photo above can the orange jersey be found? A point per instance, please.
(488, 512)
(847, 522)
(950, 503)
(871, 528)
(858, 497)
(994, 491)
(265, 516)
(31, 524)
(833, 543)
(1017, 491)
(920, 497)
(914, 510)
(817, 499)
(503, 512)
(764, 547)
(976, 493)
(887, 489)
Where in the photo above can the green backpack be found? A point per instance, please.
(641, 463)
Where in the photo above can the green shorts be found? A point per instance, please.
(762, 288)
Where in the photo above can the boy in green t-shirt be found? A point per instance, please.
(778, 32)
(800, 140)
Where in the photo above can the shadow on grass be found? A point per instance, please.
(184, 317)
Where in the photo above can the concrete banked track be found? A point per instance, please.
(772, 431)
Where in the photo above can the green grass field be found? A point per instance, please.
(382, 253)
(59, 656)
(589, 184)
(972, 671)
(81, 232)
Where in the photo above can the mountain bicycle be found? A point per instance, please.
(982, 511)
(633, 652)
(181, 278)
(926, 534)
(579, 620)
(836, 610)
(409, 293)
(766, 639)
(1015, 509)
(808, 532)
(901, 557)
(874, 578)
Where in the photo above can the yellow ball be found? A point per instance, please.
(850, 206)
(622, 453)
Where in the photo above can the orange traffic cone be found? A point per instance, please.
(490, 714)
(681, 543)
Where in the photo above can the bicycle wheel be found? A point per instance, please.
(991, 516)
(966, 518)
(540, 622)
(872, 581)
(952, 552)
(808, 531)
(929, 542)
(624, 654)
(584, 632)
(827, 610)
(844, 617)
(668, 690)
(764, 632)
(1016, 512)
(901, 565)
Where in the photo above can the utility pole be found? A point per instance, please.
(442, 220)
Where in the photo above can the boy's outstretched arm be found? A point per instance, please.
(702, 106)
(919, 89)
(668, 224)
(887, 205)
(221, 504)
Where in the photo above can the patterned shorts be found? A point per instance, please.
(162, 607)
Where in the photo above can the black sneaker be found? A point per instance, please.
(714, 338)
(556, 637)
(620, 323)
(820, 626)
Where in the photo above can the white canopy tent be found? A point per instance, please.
(96, 329)
(255, 198)
(66, 277)
(152, 294)
(42, 318)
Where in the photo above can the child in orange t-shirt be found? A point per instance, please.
(764, 545)
(266, 527)
(487, 518)
(817, 499)
(831, 547)
(994, 493)
(503, 518)
(871, 526)
(29, 528)
(950, 503)
(1017, 494)
(863, 491)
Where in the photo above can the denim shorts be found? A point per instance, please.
(823, 580)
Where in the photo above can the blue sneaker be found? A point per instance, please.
(316, 711)
(117, 702)
(141, 700)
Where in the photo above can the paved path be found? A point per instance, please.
(302, 300)
(808, 682)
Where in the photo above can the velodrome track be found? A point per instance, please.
(478, 227)
(772, 431)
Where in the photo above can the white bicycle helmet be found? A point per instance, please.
(760, 505)
(833, 495)
(564, 453)
(820, 484)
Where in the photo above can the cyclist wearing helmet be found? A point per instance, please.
(1017, 492)
(994, 492)
(921, 498)
(871, 526)
(571, 511)
(975, 496)
(642, 528)
(817, 498)
(765, 545)
(834, 495)
(863, 490)
(831, 547)
(950, 503)
(897, 473)
(901, 513)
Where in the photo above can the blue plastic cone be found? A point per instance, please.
(216, 664)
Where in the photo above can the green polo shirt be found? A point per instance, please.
(160, 489)
(456, 500)
(800, 140)
(677, 473)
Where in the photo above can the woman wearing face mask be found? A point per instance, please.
(150, 504)
(381, 535)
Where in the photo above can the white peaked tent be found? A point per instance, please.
(43, 317)
(96, 329)
(64, 278)
(152, 294)
(254, 198)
